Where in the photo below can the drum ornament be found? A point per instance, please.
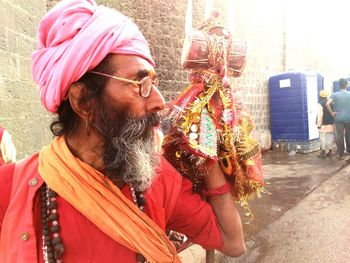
(207, 122)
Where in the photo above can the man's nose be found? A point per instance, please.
(156, 101)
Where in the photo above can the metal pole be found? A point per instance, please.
(209, 256)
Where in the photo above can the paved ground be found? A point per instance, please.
(304, 216)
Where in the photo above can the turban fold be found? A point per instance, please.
(73, 38)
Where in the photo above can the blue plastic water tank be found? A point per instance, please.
(293, 106)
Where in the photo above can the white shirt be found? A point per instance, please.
(8, 150)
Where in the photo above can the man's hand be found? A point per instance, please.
(178, 240)
(225, 210)
(329, 108)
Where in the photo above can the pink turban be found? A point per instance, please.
(74, 37)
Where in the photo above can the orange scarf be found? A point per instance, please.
(96, 197)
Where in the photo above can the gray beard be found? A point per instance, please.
(132, 155)
(141, 161)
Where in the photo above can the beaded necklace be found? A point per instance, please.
(53, 247)
(52, 243)
(140, 201)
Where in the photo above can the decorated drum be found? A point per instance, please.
(195, 52)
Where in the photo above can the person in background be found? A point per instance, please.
(7, 148)
(100, 191)
(325, 124)
(340, 110)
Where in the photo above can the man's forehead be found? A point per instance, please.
(131, 65)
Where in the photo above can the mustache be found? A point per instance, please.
(138, 127)
(153, 119)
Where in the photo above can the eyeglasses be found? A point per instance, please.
(145, 84)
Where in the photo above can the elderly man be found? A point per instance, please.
(99, 192)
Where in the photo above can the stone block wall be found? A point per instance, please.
(276, 42)
(162, 23)
(20, 110)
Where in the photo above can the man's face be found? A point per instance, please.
(127, 121)
(124, 94)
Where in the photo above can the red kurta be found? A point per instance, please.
(2, 162)
(169, 202)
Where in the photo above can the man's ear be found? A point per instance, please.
(83, 109)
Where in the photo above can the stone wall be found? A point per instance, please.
(276, 42)
(162, 23)
(20, 110)
(266, 53)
